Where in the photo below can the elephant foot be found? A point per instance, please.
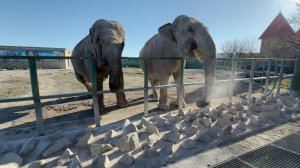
(122, 103)
(101, 109)
(175, 103)
(202, 104)
(155, 98)
(163, 107)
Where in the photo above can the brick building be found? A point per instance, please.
(279, 40)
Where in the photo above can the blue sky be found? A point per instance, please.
(63, 23)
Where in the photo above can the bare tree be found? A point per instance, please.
(295, 17)
(238, 48)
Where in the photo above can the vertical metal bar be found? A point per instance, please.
(280, 77)
(180, 100)
(94, 90)
(251, 80)
(36, 96)
(276, 68)
(267, 76)
(146, 87)
(293, 81)
(231, 83)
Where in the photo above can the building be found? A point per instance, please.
(34, 51)
(279, 40)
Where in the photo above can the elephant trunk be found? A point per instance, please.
(115, 73)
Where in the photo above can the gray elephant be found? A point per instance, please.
(106, 40)
(186, 37)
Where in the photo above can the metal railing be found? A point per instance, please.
(36, 97)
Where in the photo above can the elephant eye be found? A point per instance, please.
(98, 39)
(190, 29)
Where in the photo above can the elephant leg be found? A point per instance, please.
(177, 81)
(81, 80)
(121, 98)
(163, 99)
(100, 97)
(154, 91)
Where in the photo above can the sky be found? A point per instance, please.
(63, 23)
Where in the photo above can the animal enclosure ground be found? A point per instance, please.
(17, 120)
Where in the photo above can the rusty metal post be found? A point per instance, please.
(267, 76)
(251, 80)
(146, 87)
(280, 77)
(93, 77)
(181, 87)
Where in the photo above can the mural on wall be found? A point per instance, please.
(30, 53)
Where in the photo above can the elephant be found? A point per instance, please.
(185, 38)
(106, 39)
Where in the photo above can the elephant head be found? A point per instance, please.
(192, 40)
(108, 39)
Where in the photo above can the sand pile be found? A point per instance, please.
(154, 141)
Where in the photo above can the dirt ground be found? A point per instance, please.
(17, 120)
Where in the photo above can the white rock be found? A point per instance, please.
(263, 117)
(65, 157)
(150, 153)
(280, 103)
(153, 139)
(3, 147)
(241, 125)
(161, 122)
(101, 162)
(28, 146)
(226, 131)
(97, 149)
(177, 128)
(213, 115)
(151, 128)
(57, 146)
(180, 112)
(172, 148)
(196, 123)
(85, 140)
(193, 130)
(172, 136)
(203, 137)
(75, 163)
(11, 160)
(222, 107)
(125, 124)
(240, 115)
(129, 142)
(296, 108)
(110, 134)
(206, 122)
(253, 121)
(130, 128)
(127, 159)
(222, 122)
(143, 123)
(190, 116)
(213, 132)
(244, 102)
(189, 144)
(268, 107)
(227, 115)
(36, 164)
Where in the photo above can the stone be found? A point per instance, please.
(213, 132)
(203, 137)
(255, 108)
(11, 160)
(129, 142)
(241, 125)
(253, 120)
(213, 115)
(130, 128)
(172, 136)
(227, 115)
(153, 139)
(85, 140)
(177, 128)
(57, 146)
(150, 153)
(226, 131)
(196, 122)
(110, 134)
(232, 111)
(222, 122)
(143, 123)
(127, 159)
(296, 107)
(193, 130)
(263, 117)
(206, 122)
(190, 116)
(125, 124)
(151, 128)
(189, 144)
(244, 102)
(280, 103)
(3, 147)
(172, 148)
(75, 163)
(268, 107)
(97, 149)
(101, 162)
(28, 146)
(222, 107)
(65, 157)
(238, 106)
(239, 115)
(37, 164)
(161, 122)
(180, 112)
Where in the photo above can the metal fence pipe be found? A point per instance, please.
(15, 99)
(65, 95)
(181, 87)
(231, 80)
(267, 76)
(146, 87)
(36, 96)
(251, 79)
(293, 81)
(93, 77)
(280, 77)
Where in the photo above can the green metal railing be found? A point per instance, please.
(232, 63)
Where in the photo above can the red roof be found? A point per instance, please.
(278, 27)
(298, 33)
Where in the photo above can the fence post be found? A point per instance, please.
(93, 77)
(231, 79)
(251, 80)
(267, 76)
(180, 100)
(36, 96)
(296, 77)
(280, 77)
(145, 87)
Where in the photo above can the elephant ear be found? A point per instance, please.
(166, 31)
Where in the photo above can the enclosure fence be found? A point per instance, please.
(232, 66)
